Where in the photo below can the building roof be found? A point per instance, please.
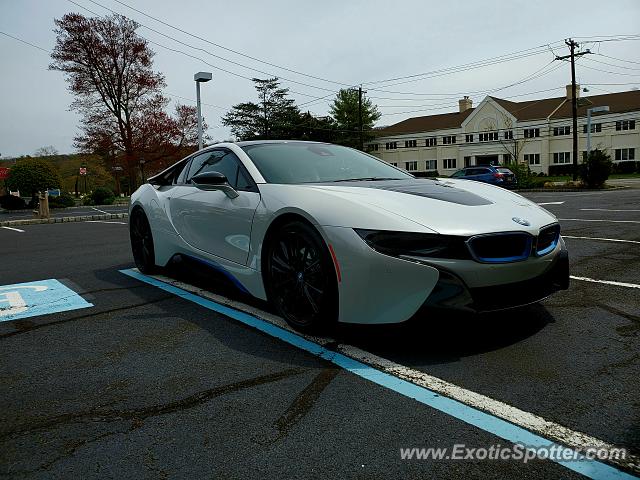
(553, 108)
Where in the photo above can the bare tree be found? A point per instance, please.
(47, 151)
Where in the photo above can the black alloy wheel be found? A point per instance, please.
(142, 242)
(300, 278)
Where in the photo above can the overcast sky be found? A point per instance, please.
(344, 41)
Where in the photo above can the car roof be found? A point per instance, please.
(259, 142)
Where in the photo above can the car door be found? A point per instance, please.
(209, 220)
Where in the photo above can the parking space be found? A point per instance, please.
(145, 382)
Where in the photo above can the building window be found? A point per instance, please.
(557, 131)
(467, 161)
(508, 135)
(532, 158)
(625, 154)
(372, 147)
(448, 139)
(449, 163)
(488, 136)
(394, 164)
(595, 128)
(410, 143)
(411, 166)
(531, 132)
(391, 145)
(562, 157)
(432, 165)
(468, 138)
(626, 125)
(506, 158)
(430, 142)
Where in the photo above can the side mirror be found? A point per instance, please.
(214, 181)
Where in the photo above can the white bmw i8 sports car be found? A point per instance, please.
(328, 233)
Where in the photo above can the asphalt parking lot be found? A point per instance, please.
(148, 384)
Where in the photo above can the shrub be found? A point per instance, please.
(626, 167)
(63, 201)
(596, 169)
(523, 174)
(432, 173)
(102, 196)
(11, 202)
(561, 170)
(31, 175)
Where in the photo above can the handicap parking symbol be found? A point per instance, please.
(42, 297)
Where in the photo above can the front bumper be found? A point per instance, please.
(451, 292)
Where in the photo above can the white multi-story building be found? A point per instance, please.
(537, 132)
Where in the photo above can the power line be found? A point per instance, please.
(613, 65)
(618, 59)
(226, 48)
(26, 43)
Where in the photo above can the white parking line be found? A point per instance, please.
(14, 229)
(104, 221)
(606, 282)
(607, 210)
(98, 210)
(602, 239)
(551, 203)
(590, 220)
(467, 405)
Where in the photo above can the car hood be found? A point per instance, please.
(447, 206)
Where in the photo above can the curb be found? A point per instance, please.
(2, 210)
(559, 189)
(79, 218)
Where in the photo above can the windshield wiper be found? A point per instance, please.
(365, 179)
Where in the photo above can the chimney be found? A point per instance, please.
(569, 95)
(465, 104)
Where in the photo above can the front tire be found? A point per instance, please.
(300, 278)
(142, 242)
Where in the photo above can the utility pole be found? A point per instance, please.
(574, 98)
(360, 117)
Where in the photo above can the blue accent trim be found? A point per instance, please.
(484, 421)
(550, 248)
(219, 268)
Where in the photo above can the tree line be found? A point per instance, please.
(276, 116)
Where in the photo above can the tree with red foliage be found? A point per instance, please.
(109, 68)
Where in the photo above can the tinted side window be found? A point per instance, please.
(180, 177)
(222, 161)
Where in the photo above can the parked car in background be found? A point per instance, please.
(494, 174)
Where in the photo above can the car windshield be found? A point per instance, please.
(300, 162)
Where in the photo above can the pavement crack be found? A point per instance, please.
(302, 404)
(625, 330)
(138, 415)
(25, 327)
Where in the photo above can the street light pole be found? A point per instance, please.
(199, 78)
(604, 108)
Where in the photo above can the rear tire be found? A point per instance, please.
(142, 242)
(300, 278)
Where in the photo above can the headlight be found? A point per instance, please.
(401, 244)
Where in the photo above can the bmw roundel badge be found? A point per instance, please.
(521, 221)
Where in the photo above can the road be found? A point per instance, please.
(150, 385)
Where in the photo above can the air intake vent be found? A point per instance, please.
(501, 247)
